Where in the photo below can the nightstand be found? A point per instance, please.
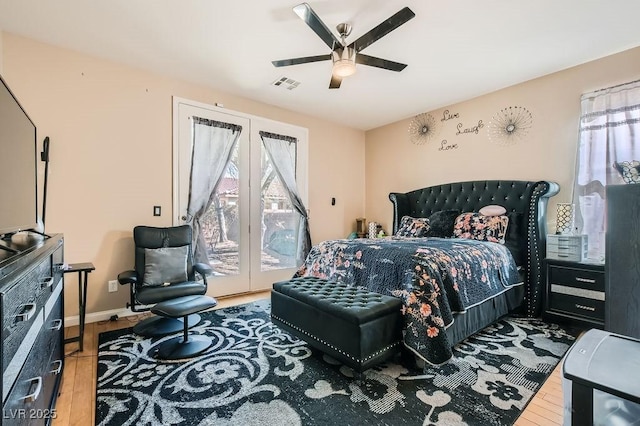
(575, 292)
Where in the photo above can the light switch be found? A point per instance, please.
(157, 211)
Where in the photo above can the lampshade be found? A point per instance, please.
(565, 219)
(344, 61)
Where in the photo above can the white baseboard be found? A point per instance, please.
(98, 316)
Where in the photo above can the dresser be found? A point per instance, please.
(31, 306)
(622, 242)
(575, 292)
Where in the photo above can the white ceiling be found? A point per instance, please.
(455, 50)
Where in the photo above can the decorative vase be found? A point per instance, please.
(361, 227)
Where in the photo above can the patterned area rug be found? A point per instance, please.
(256, 374)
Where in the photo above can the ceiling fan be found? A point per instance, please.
(346, 56)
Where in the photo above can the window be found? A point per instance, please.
(609, 139)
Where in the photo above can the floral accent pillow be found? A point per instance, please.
(629, 170)
(412, 227)
(476, 226)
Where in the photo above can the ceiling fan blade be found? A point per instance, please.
(303, 60)
(372, 61)
(335, 82)
(307, 14)
(383, 29)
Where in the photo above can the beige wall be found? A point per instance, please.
(110, 129)
(111, 156)
(394, 164)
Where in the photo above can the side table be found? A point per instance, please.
(575, 292)
(83, 270)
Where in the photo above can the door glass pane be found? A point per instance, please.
(221, 224)
(280, 221)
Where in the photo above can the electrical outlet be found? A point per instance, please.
(113, 286)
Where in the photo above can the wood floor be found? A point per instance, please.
(76, 401)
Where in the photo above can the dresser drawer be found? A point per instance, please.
(571, 248)
(52, 374)
(22, 303)
(569, 256)
(574, 277)
(32, 391)
(578, 241)
(577, 306)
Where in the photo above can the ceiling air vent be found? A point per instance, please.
(286, 83)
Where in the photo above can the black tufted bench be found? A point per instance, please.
(355, 326)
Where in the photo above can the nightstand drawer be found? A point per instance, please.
(575, 292)
(576, 306)
(581, 278)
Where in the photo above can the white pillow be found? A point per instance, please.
(492, 210)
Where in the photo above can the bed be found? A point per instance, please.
(450, 287)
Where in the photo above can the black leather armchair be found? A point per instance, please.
(164, 270)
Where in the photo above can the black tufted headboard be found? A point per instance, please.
(528, 198)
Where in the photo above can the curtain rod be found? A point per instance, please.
(617, 85)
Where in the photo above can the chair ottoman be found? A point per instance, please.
(187, 345)
(355, 326)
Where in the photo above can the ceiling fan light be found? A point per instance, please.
(344, 62)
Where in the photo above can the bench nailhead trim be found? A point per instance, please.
(333, 347)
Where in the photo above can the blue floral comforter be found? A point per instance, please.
(434, 278)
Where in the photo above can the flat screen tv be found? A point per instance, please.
(18, 169)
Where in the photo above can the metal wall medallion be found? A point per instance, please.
(510, 125)
(423, 128)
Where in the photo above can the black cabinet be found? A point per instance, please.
(575, 292)
(31, 307)
(622, 310)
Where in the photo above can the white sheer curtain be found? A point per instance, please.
(609, 133)
(213, 144)
(282, 156)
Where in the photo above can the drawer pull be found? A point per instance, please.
(28, 314)
(586, 308)
(56, 324)
(562, 255)
(585, 280)
(58, 367)
(47, 282)
(36, 393)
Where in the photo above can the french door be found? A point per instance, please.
(249, 228)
